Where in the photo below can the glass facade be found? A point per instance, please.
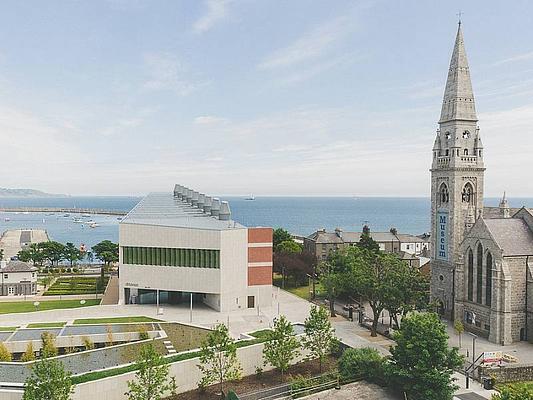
(172, 257)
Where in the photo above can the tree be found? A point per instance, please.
(107, 252)
(5, 355)
(48, 381)
(152, 381)
(514, 391)
(218, 358)
(281, 346)
(29, 354)
(71, 253)
(319, 334)
(288, 246)
(49, 348)
(459, 329)
(33, 253)
(366, 241)
(52, 251)
(362, 363)
(421, 362)
(280, 235)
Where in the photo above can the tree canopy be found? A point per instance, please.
(421, 362)
(281, 346)
(280, 235)
(106, 251)
(48, 381)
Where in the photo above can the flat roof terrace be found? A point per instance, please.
(165, 209)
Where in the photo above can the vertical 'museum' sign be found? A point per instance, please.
(442, 235)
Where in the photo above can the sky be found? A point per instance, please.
(300, 97)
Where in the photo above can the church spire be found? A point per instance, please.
(458, 102)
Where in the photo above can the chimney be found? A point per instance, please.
(338, 231)
(215, 207)
(207, 204)
(177, 190)
(201, 201)
(225, 212)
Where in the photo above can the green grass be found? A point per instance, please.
(8, 328)
(300, 291)
(11, 307)
(47, 325)
(114, 320)
(262, 334)
(76, 285)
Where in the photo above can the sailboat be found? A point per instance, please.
(251, 197)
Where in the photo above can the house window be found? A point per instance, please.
(5, 276)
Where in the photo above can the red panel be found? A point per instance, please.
(260, 235)
(259, 254)
(259, 276)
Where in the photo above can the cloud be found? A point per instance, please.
(166, 72)
(311, 45)
(210, 120)
(518, 57)
(217, 10)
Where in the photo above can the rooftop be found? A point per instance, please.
(512, 235)
(165, 209)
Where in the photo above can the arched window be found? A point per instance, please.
(488, 280)
(468, 193)
(479, 273)
(470, 275)
(444, 195)
(447, 152)
(466, 152)
(466, 135)
(448, 135)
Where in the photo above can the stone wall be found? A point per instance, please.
(509, 373)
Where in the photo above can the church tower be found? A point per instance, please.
(456, 178)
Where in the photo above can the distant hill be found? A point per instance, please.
(4, 192)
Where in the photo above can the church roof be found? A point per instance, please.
(458, 102)
(512, 235)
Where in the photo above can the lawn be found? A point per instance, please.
(77, 285)
(8, 328)
(10, 307)
(300, 291)
(47, 325)
(114, 320)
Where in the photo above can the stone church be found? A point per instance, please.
(482, 257)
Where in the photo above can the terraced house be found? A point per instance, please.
(184, 247)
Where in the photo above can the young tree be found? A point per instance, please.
(515, 391)
(29, 354)
(5, 355)
(152, 381)
(218, 358)
(49, 348)
(107, 252)
(421, 362)
(459, 329)
(48, 381)
(71, 253)
(280, 235)
(319, 334)
(281, 346)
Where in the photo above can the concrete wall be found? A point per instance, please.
(186, 373)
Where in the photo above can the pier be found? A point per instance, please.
(58, 210)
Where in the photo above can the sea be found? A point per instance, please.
(299, 215)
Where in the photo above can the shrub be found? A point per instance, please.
(49, 348)
(365, 363)
(143, 332)
(29, 354)
(515, 391)
(5, 355)
(69, 270)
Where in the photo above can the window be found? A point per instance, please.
(447, 153)
(195, 258)
(251, 301)
(444, 194)
(465, 152)
(468, 193)
(488, 280)
(5, 276)
(470, 289)
(466, 135)
(448, 135)
(479, 283)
